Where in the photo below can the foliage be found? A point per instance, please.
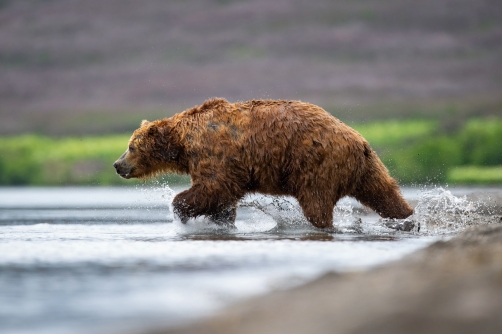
(419, 152)
(390, 132)
(425, 161)
(39, 160)
(414, 151)
(481, 142)
(475, 174)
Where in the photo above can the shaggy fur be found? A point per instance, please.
(271, 147)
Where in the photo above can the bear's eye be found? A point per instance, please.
(131, 149)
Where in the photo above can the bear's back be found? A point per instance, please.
(264, 127)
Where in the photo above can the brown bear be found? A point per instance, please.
(265, 146)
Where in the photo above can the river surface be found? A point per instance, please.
(109, 260)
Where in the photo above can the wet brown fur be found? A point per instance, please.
(271, 147)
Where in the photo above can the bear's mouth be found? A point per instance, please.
(126, 175)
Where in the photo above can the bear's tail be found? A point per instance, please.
(377, 190)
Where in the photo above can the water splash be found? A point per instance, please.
(199, 225)
(285, 211)
(343, 214)
(159, 190)
(438, 210)
(288, 215)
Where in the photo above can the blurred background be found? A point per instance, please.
(421, 80)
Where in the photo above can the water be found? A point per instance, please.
(106, 260)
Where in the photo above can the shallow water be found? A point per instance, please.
(105, 260)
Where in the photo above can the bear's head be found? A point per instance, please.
(152, 150)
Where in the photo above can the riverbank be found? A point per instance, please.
(452, 286)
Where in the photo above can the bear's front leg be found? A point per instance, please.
(186, 205)
(225, 217)
(199, 201)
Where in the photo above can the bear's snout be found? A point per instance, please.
(122, 169)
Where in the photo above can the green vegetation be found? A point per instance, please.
(38, 160)
(384, 133)
(421, 152)
(416, 152)
(475, 174)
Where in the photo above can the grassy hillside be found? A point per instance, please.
(97, 67)
(440, 156)
(40, 160)
(415, 151)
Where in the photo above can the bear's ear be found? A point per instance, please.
(152, 129)
(144, 123)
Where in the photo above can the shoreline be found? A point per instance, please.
(452, 286)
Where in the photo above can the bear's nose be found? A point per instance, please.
(115, 165)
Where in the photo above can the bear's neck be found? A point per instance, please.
(172, 137)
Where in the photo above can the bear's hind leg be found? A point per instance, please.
(377, 190)
(318, 212)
